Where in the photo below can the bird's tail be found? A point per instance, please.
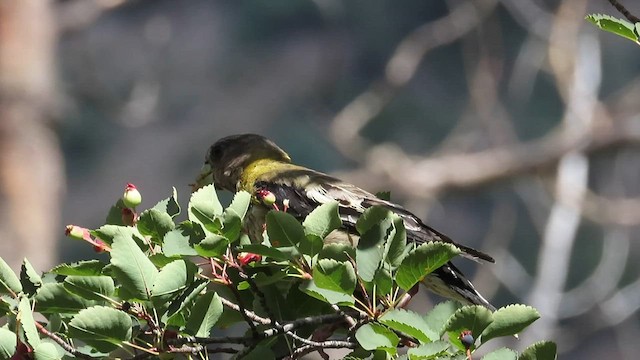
(449, 282)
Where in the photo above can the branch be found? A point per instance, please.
(400, 69)
(624, 11)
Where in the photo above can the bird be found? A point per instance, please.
(255, 164)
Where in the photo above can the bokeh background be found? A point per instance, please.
(513, 126)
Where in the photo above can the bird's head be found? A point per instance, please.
(228, 157)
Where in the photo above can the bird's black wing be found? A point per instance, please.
(303, 190)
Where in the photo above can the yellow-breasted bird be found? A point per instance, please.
(257, 165)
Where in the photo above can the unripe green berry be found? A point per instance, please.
(131, 197)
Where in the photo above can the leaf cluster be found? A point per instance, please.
(168, 288)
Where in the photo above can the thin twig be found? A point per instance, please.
(624, 11)
(66, 346)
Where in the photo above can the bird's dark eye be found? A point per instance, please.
(215, 153)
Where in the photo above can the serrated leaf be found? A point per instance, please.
(211, 246)
(8, 343)
(27, 323)
(231, 225)
(102, 327)
(204, 206)
(501, 354)
(114, 216)
(410, 323)
(264, 250)
(176, 243)
(474, 318)
(9, 281)
(204, 315)
(428, 351)
(29, 277)
(187, 297)
(374, 336)
(422, 261)
(284, 230)
(370, 217)
(333, 275)
(322, 220)
(53, 298)
(394, 251)
(370, 249)
(169, 205)
(383, 281)
(438, 316)
(510, 320)
(80, 268)
(155, 223)
(543, 350)
(173, 277)
(132, 268)
(328, 296)
(337, 251)
(107, 232)
(614, 25)
(240, 203)
(90, 287)
(46, 351)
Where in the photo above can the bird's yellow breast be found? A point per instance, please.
(262, 170)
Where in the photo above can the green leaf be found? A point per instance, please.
(46, 351)
(102, 327)
(384, 195)
(328, 296)
(267, 251)
(323, 220)
(422, 261)
(370, 217)
(155, 223)
(9, 282)
(29, 278)
(383, 281)
(90, 287)
(428, 351)
(212, 246)
(370, 249)
(204, 315)
(394, 251)
(176, 243)
(474, 318)
(173, 277)
(187, 297)
(231, 225)
(410, 323)
(53, 298)
(374, 336)
(27, 323)
(80, 268)
(501, 354)
(114, 217)
(169, 205)
(284, 230)
(543, 350)
(132, 268)
(438, 316)
(333, 275)
(8, 343)
(337, 251)
(204, 206)
(240, 203)
(614, 25)
(510, 320)
(107, 232)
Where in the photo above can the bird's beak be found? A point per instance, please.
(204, 178)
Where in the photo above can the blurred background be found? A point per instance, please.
(512, 126)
